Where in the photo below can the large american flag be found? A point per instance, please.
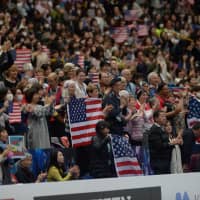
(131, 15)
(194, 111)
(15, 113)
(22, 56)
(120, 34)
(83, 115)
(125, 161)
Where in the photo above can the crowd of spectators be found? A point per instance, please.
(145, 56)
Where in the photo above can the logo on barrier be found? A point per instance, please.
(185, 196)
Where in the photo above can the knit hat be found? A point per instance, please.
(26, 155)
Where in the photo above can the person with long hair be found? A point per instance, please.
(57, 170)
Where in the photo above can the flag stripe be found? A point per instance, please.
(129, 167)
(74, 137)
(81, 143)
(83, 125)
(130, 172)
(125, 163)
(93, 101)
(81, 130)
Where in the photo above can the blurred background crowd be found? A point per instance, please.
(140, 58)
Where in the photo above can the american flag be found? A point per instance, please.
(194, 111)
(81, 60)
(120, 34)
(22, 56)
(125, 161)
(15, 113)
(131, 15)
(94, 76)
(83, 115)
(142, 30)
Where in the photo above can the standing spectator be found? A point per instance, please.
(39, 57)
(115, 117)
(176, 162)
(159, 145)
(189, 137)
(38, 134)
(130, 87)
(101, 158)
(104, 83)
(154, 81)
(80, 85)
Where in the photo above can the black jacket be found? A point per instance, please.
(6, 60)
(188, 144)
(24, 175)
(101, 158)
(114, 118)
(5, 165)
(160, 150)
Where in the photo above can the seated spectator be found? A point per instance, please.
(57, 170)
(38, 134)
(24, 173)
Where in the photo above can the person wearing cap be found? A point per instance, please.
(101, 156)
(115, 116)
(24, 174)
